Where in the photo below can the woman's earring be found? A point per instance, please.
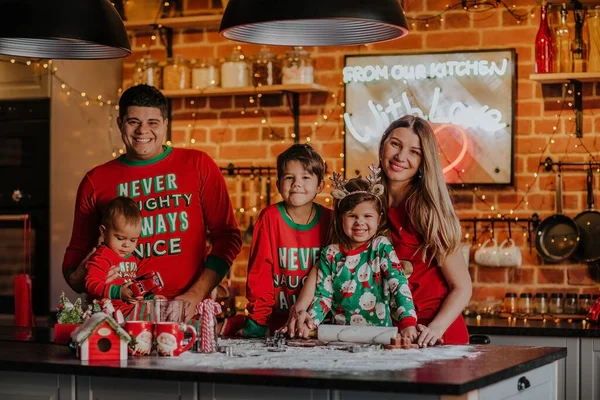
(420, 173)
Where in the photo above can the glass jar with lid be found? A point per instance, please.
(205, 73)
(510, 302)
(540, 304)
(571, 304)
(147, 71)
(298, 67)
(556, 303)
(585, 302)
(266, 68)
(525, 305)
(234, 71)
(177, 74)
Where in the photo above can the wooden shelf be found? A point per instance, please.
(566, 77)
(249, 90)
(199, 21)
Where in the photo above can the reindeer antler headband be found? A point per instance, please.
(375, 188)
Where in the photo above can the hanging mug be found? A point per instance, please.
(509, 255)
(487, 256)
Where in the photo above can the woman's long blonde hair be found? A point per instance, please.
(428, 202)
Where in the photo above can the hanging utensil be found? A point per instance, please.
(268, 192)
(557, 237)
(588, 222)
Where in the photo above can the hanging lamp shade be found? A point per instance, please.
(313, 22)
(62, 29)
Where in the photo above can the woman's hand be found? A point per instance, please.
(428, 336)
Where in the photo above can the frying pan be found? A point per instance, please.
(589, 227)
(557, 236)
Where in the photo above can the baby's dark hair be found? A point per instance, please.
(121, 207)
(305, 155)
(341, 207)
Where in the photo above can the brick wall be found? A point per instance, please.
(230, 129)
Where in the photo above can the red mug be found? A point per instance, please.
(143, 337)
(169, 338)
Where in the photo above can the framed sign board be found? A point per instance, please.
(468, 98)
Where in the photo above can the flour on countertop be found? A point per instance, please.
(255, 355)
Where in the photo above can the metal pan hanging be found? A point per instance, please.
(588, 222)
(557, 237)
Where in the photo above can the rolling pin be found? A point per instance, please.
(356, 334)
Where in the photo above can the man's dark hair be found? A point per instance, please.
(143, 96)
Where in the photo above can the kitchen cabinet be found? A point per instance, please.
(568, 373)
(20, 386)
(590, 369)
(105, 388)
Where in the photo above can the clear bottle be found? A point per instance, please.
(593, 23)
(579, 47)
(540, 304)
(585, 302)
(525, 303)
(177, 74)
(563, 40)
(205, 73)
(266, 68)
(147, 71)
(510, 303)
(571, 304)
(556, 303)
(544, 44)
(298, 67)
(234, 71)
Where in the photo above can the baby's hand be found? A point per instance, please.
(127, 294)
(410, 332)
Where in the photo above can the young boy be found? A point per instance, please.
(120, 231)
(288, 238)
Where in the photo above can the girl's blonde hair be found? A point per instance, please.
(428, 202)
(341, 207)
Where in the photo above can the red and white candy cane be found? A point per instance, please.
(208, 309)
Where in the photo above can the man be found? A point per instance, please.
(181, 194)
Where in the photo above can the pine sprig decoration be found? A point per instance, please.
(67, 312)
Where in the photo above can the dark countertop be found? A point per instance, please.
(501, 326)
(455, 376)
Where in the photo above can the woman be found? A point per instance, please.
(425, 231)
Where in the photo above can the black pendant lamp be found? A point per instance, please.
(313, 22)
(62, 29)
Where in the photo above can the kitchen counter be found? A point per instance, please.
(502, 326)
(492, 364)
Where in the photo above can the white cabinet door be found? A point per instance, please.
(568, 368)
(30, 386)
(104, 388)
(219, 391)
(590, 369)
(537, 384)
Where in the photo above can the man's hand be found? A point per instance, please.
(76, 279)
(193, 301)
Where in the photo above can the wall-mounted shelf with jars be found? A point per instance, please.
(199, 22)
(249, 90)
(566, 77)
(576, 79)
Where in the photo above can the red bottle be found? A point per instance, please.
(544, 45)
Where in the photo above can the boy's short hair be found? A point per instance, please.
(143, 96)
(122, 207)
(305, 155)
